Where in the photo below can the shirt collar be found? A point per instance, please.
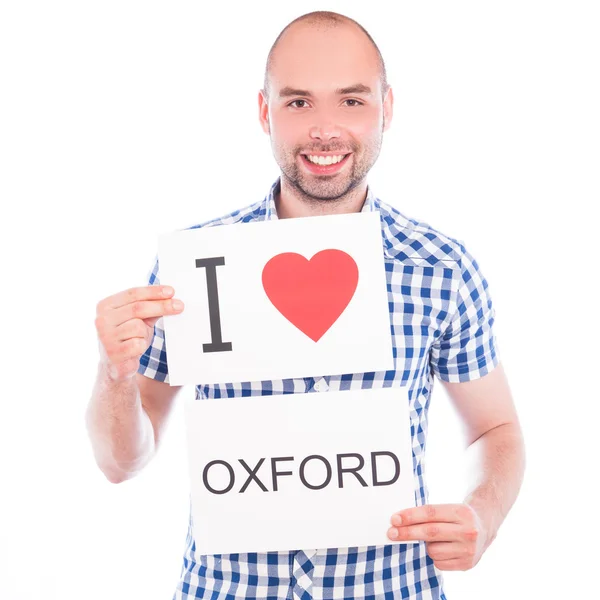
(271, 211)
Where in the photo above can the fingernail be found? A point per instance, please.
(393, 533)
(167, 291)
(177, 304)
(396, 520)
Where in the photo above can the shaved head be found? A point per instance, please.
(325, 106)
(322, 20)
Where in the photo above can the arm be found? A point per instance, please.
(496, 450)
(127, 411)
(125, 420)
(495, 445)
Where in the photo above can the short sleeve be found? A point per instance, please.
(467, 349)
(153, 363)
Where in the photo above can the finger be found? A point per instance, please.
(143, 309)
(149, 292)
(151, 322)
(429, 513)
(134, 328)
(127, 350)
(447, 550)
(454, 564)
(428, 532)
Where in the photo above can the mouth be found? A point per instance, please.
(320, 164)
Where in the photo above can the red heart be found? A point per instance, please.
(311, 294)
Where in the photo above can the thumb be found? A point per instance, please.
(151, 321)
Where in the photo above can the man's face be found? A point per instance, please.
(325, 102)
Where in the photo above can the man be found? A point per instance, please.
(325, 105)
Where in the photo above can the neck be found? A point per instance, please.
(291, 202)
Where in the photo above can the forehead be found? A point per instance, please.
(322, 59)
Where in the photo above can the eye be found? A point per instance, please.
(356, 102)
(291, 103)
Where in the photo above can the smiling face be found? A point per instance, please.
(324, 112)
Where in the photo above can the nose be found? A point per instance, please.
(325, 131)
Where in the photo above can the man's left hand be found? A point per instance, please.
(454, 534)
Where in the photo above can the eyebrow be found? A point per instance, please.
(358, 88)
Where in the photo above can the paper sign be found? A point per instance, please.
(298, 471)
(277, 299)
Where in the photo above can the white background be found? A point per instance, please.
(123, 120)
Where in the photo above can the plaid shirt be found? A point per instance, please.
(441, 318)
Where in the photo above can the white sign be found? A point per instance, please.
(277, 299)
(298, 471)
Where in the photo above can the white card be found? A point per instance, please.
(277, 299)
(294, 499)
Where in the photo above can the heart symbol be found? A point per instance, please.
(311, 294)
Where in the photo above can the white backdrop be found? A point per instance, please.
(123, 120)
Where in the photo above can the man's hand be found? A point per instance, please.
(454, 534)
(125, 325)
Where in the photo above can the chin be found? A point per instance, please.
(324, 194)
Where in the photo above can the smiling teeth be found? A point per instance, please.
(326, 160)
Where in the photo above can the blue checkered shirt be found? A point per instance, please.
(441, 319)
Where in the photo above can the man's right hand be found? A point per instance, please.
(125, 325)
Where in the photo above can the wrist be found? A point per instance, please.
(484, 507)
(110, 375)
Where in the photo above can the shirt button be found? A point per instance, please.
(321, 386)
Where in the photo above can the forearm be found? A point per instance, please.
(119, 428)
(497, 466)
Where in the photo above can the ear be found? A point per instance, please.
(388, 109)
(263, 112)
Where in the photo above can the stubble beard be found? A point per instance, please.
(316, 189)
